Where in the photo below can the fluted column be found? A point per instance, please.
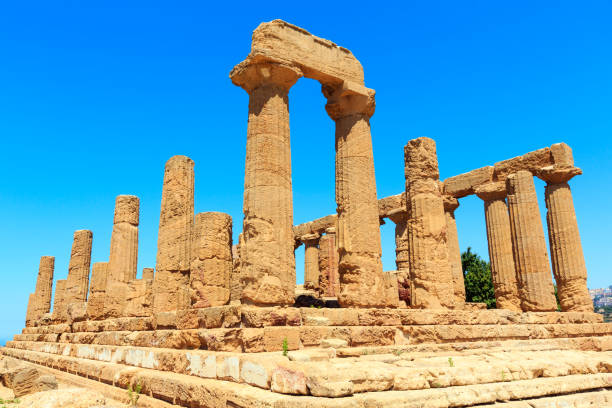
(123, 260)
(268, 263)
(454, 253)
(534, 279)
(566, 253)
(59, 301)
(77, 283)
(97, 290)
(362, 281)
(499, 239)
(171, 283)
(430, 273)
(311, 261)
(211, 263)
(40, 300)
(402, 253)
(329, 278)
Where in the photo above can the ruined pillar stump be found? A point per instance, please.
(566, 253)
(40, 301)
(311, 261)
(430, 273)
(362, 281)
(267, 270)
(211, 263)
(454, 253)
(534, 279)
(77, 283)
(499, 239)
(171, 283)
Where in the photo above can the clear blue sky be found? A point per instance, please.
(95, 96)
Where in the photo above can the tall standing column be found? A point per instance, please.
(267, 270)
(97, 290)
(311, 261)
(77, 283)
(123, 260)
(59, 301)
(402, 253)
(171, 282)
(430, 274)
(329, 278)
(499, 239)
(529, 246)
(40, 300)
(454, 253)
(362, 281)
(566, 253)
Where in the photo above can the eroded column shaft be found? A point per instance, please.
(40, 301)
(311, 262)
(123, 260)
(534, 279)
(77, 283)
(97, 290)
(454, 253)
(329, 278)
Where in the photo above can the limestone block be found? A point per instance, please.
(138, 298)
(115, 298)
(464, 184)
(317, 226)
(562, 155)
(211, 264)
(531, 161)
(430, 274)
(148, 273)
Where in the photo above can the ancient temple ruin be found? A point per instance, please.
(218, 323)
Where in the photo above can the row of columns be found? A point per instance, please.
(321, 263)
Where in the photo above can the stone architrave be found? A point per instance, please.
(171, 283)
(40, 301)
(123, 260)
(362, 280)
(454, 253)
(77, 283)
(267, 264)
(97, 290)
(402, 256)
(534, 279)
(148, 273)
(430, 274)
(329, 278)
(566, 253)
(499, 239)
(211, 263)
(311, 261)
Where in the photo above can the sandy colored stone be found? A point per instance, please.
(454, 253)
(430, 274)
(97, 290)
(531, 162)
(138, 298)
(362, 283)
(77, 283)
(329, 278)
(535, 286)
(40, 301)
(148, 273)
(499, 239)
(311, 261)
(171, 283)
(123, 260)
(464, 184)
(59, 304)
(235, 285)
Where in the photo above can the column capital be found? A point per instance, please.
(253, 74)
(310, 239)
(491, 191)
(558, 174)
(398, 215)
(450, 203)
(349, 99)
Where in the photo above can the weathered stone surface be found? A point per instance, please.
(465, 184)
(454, 253)
(235, 285)
(211, 264)
(123, 260)
(59, 303)
(534, 279)
(499, 239)
(532, 162)
(311, 261)
(329, 277)
(267, 270)
(362, 283)
(40, 301)
(97, 290)
(148, 273)
(430, 274)
(171, 284)
(138, 298)
(77, 283)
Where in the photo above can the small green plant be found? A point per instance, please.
(503, 375)
(285, 347)
(450, 362)
(436, 384)
(398, 352)
(134, 394)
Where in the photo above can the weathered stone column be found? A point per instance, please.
(97, 290)
(40, 301)
(362, 281)
(329, 278)
(566, 253)
(430, 274)
(499, 238)
(454, 253)
(148, 273)
(123, 261)
(211, 263)
(171, 281)
(402, 253)
(311, 261)
(529, 247)
(77, 283)
(268, 263)
(235, 285)
(59, 301)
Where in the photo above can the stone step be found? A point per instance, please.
(592, 399)
(190, 391)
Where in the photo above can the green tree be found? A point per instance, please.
(478, 280)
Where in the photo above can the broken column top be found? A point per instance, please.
(126, 209)
(317, 58)
(421, 159)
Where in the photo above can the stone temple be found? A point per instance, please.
(223, 324)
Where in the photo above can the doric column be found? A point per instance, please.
(97, 290)
(148, 273)
(235, 285)
(430, 274)
(566, 253)
(268, 263)
(454, 253)
(123, 260)
(211, 263)
(499, 238)
(77, 283)
(171, 281)
(59, 301)
(402, 253)
(362, 281)
(40, 300)
(311, 261)
(329, 278)
(529, 246)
